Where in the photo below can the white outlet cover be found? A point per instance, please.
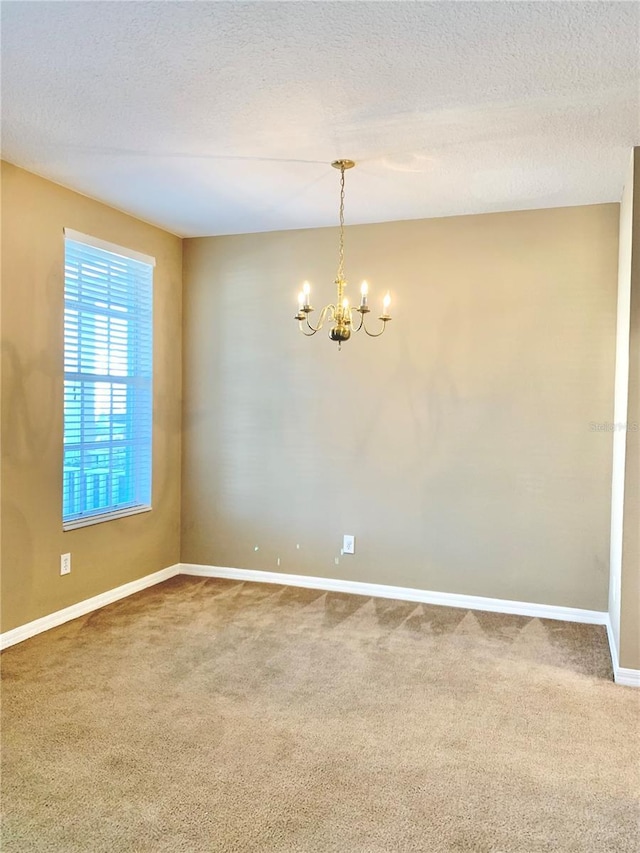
(65, 564)
(348, 544)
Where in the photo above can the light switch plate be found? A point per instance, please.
(348, 544)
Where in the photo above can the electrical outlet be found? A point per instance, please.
(348, 544)
(65, 564)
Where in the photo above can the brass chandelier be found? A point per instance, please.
(340, 314)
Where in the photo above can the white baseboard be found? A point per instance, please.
(627, 677)
(403, 593)
(23, 632)
(621, 674)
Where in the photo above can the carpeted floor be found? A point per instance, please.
(211, 715)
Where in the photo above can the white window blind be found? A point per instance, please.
(108, 295)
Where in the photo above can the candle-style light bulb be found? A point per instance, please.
(364, 290)
(385, 304)
(345, 304)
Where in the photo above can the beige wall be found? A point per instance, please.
(630, 599)
(34, 213)
(458, 448)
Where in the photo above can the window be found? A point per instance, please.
(107, 381)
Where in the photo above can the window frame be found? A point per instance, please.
(111, 512)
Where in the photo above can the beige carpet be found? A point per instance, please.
(209, 715)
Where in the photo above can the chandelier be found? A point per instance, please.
(341, 314)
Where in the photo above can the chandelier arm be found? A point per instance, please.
(307, 334)
(321, 319)
(375, 334)
(357, 328)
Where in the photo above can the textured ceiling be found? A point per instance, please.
(219, 118)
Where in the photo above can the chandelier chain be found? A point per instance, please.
(341, 251)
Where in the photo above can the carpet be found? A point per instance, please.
(212, 715)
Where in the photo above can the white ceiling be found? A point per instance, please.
(222, 117)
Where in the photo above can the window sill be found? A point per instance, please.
(106, 516)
